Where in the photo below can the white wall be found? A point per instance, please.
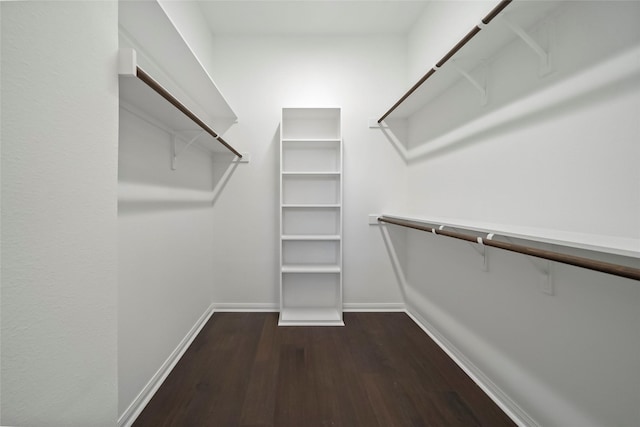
(165, 247)
(260, 75)
(557, 153)
(190, 21)
(165, 234)
(59, 163)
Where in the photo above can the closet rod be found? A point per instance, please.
(591, 264)
(496, 10)
(166, 95)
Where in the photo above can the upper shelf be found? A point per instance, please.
(506, 22)
(139, 89)
(162, 52)
(181, 95)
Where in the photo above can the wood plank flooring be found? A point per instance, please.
(380, 369)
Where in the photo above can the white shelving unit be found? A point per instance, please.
(310, 217)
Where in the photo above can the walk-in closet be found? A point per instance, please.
(324, 213)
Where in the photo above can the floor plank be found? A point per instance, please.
(380, 369)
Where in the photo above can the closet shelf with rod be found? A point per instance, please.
(482, 42)
(144, 93)
(626, 247)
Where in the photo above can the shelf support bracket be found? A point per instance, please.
(545, 274)
(480, 86)
(480, 248)
(543, 55)
(174, 149)
(545, 278)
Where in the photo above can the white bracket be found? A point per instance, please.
(545, 273)
(545, 278)
(480, 248)
(373, 219)
(174, 149)
(481, 86)
(543, 55)
(483, 252)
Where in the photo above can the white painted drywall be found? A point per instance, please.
(165, 248)
(59, 218)
(188, 18)
(441, 22)
(165, 233)
(570, 358)
(260, 75)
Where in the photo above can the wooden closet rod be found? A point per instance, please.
(604, 267)
(166, 95)
(496, 10)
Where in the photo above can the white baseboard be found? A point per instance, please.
(373, 307)
(268, 307)
(143, 398)
(245, 307)
(511, 408)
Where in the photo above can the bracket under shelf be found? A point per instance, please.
(543, 55)
(139, 89)
(481, 85)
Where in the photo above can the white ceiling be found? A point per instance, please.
(311, 17)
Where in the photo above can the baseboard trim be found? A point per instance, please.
(245, 307)
(143, 398)
(348, 307)
(511, 408)
(373, 307)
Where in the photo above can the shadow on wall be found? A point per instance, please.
(550, 358)
(151, 180)
(478, 132)
(142, 198)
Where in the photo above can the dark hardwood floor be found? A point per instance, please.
(380, 369)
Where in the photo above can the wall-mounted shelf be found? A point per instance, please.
(508, 21)
(628, 247)
(139, 89)
(310, 217)
(163, 53)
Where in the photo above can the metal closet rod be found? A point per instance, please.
(166, 95)
(604, 267)
(496, 10)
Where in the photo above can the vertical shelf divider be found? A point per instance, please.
(311, 217)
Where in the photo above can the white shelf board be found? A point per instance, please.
(304, 140)
(318, 173)
(163, 52)
(137, 97)
(310, 317)
(311, 206)
(485, 45)
(311, 269)
(310, 237)
(629, 247)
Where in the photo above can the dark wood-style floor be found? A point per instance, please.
(380, 369)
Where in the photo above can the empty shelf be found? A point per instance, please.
(311, 269)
